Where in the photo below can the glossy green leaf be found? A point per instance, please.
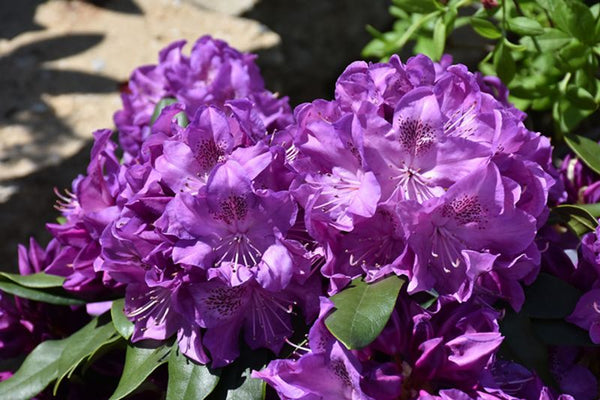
(38, 295)
(525, 26)
(581, 98)
(551, 40)
(119, 320)
(37, 371)
(439, 38)
(573, 56)
(167, 101)
(432, 296)
(504, 63)
(417, 6)
(139, 364)
(593, 209)
(485, 28)
(39, 280)
(188, 380)
(362, 310)
(83, 344)
(567, 115)
(523, 344)
(577, 219)
(550, 298)
(181, 118)
(587, 150)
(236, 382)
(250, 389)
(574, 17)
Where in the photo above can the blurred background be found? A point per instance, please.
(62, 63)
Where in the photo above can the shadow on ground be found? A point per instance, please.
(25, 214)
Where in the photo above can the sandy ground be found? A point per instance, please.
(61, 63)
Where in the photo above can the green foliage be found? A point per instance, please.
(46, 295)
(139, 364)
(55, 359)
(188, 380)
(181, 118)
(84, 344)
(578, 219)
(546, 51)
(362, 310)
(586, 149)
(236, 382)
(39, 280)
(119, 320)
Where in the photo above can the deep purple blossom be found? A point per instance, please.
(213, 74)
(87, 211)
(26, 323)
(418, 350)
(582, 185)
(444, 156)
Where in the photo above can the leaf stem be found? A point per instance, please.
(520, 11)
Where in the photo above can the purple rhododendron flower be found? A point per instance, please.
(444, 157)
(25, 323)
(418, 349)
(87, 211)
(212, 74)
(581, 183)
(223, 218)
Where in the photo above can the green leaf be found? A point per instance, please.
(485, 28)
(550, 298)
(236, 382)
(567, 115)
(139, 364)
(551, 40)
(574, 17)
(82, 344)
(587, 150)
(525, 26)
(38, 295)
(577, 219)
(362, 310)
(417, 6)
(561, 333)
(181, 118)
(433, 296)
(119, 320)
(250, 389)
(504, 63)
(581, 98)
(37, 371)
(413, 28)
(593, 209)
(373, 32)
(188, 380)
(439, 38)
(39, 280)
(167, 101)
(573, 56)
(524, 346)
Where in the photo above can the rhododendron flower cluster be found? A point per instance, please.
(229, 222)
